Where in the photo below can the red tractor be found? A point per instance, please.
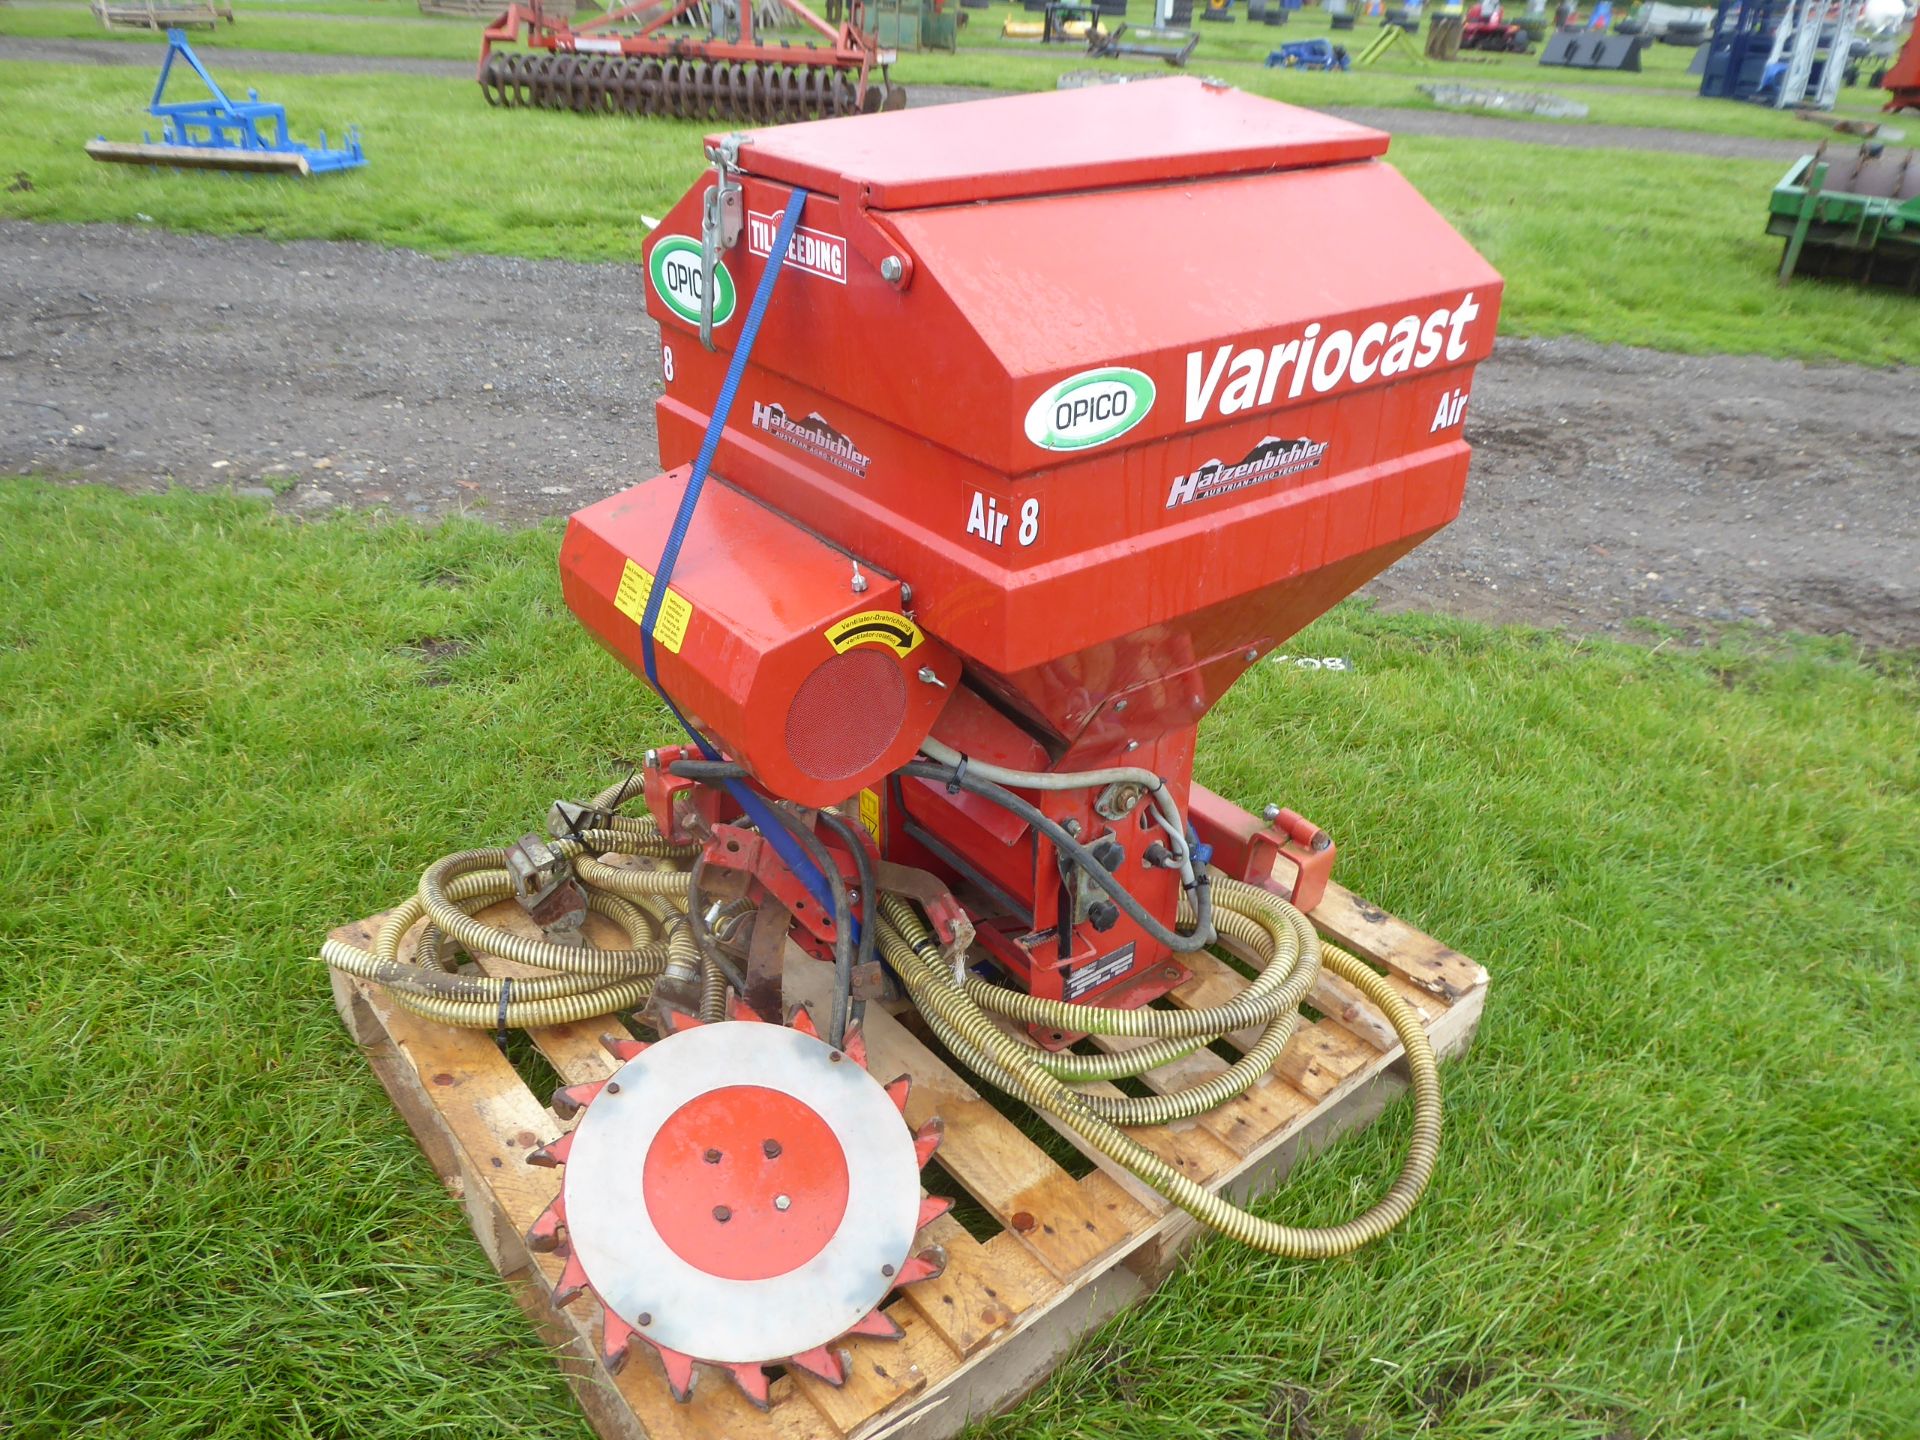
(1485, 29)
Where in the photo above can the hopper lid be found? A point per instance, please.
(1099, 137)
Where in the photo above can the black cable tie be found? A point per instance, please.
(620, 795)
(959, 779)
(500, 1021)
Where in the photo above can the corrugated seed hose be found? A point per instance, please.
(975, 1019)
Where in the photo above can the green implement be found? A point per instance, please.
(1851, 217)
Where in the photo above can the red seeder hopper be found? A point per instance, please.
(978, 500)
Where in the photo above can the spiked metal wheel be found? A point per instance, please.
(739, 1195)
(761, 92)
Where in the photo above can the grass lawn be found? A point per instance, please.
(1677, 1195)
(1652, 98)
(1631, 247)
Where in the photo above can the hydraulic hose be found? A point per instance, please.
(974, 1036)
(581, 982)
(976, 1020)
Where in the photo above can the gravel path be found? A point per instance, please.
(1608, 483)
(1395, 121)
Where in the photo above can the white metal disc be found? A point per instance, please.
(638, 1272)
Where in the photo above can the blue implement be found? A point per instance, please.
(1316, 54)
(223, 134)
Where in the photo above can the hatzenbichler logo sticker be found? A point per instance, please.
(813, 435)
(1269, 460)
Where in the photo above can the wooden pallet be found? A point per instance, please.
(1068, 1254)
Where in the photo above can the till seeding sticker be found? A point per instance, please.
(875, 627)
(678, 277)
(870, 813)
(636, 585)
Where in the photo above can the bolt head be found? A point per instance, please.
(1270, 814)
(782, 1202)
(891, 269)
(1253, 654)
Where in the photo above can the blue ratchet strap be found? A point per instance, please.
(775, 834)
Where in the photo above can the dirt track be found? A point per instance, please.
(1608, 483)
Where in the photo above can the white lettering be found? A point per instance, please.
(1326, 376)
(1429, 350)
(1456, 342)
(1200, 396)
(1399, 356)
(1277, 362)
(1306, 356)
(1243, 381)
(1362, 369)
(1226, 381)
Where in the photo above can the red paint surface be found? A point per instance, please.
(757, 1240)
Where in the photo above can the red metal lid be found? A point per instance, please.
(1093, 138)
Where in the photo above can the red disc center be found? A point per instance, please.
(745, 1183)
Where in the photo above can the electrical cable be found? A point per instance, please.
(855, 842)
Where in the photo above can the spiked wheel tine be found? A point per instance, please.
(929, 1264)
(753, 1384)
(803, 1022)
(616, 1340)
(927, 1139)
(678, 1020)
(573, 1279)
(623, 1048)
(544, 1236)
(856, 1046)
(931, 1209)
(743, 1011)
(569, 1100)
(829, 1365)
(898, 1090)
(679, 1370)
(553, 1153)
(878, 1325)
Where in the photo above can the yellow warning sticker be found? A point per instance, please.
(870, 813)
(876, 627)
(636, 586)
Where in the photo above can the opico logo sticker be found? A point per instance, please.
(1090, 409)
(813, 251)
(676, 273)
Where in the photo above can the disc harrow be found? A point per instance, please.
(534, 60)
(679, 88)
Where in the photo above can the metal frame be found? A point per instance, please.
(849, 47)
(222, 133)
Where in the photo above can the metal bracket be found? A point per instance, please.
(722, 217)
(544, 885)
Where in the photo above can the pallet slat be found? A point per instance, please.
(1071, 1252)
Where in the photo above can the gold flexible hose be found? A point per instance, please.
(971, 1017)
(582, 981)
(979, 1041)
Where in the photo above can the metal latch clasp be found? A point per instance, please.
(722, 217)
